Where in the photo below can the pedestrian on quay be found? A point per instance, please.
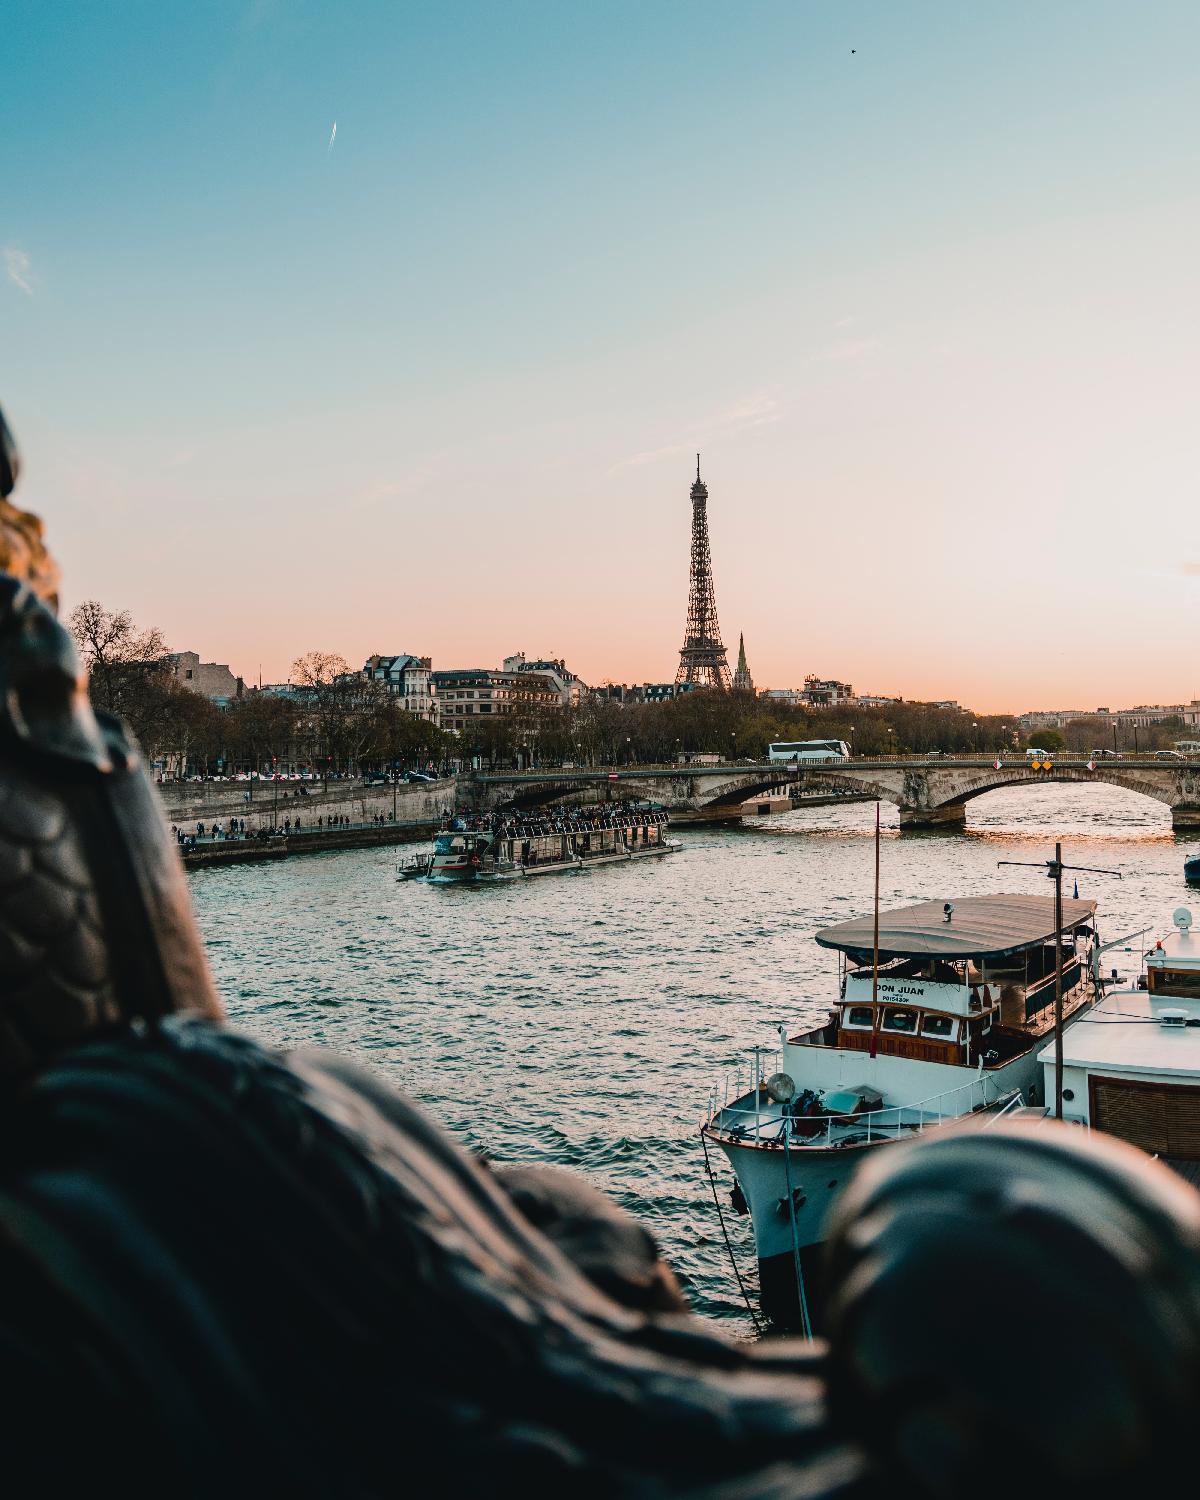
(297, 825)
(199, 830)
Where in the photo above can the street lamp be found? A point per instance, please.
(891, 743)
(975, 727)
(274, 796)
(852, 739)
(628, 751)
(732, 746)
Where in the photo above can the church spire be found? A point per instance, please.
(741, 678)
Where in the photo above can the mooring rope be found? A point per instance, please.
(805, 1321)
(712, 1181)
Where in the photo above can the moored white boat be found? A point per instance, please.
(1131, 1064)
(944, 1024)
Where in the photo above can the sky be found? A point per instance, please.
(918, 280)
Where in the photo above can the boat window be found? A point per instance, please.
(450, 846)
(899, 1018)
(943, 1026)
(857, 1018)
(1174, 981)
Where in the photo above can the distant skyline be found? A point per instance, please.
(391, 327)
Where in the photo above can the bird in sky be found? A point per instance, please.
(333, 135)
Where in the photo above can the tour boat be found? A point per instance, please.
(514, 845)
(1191, 869)
(1131, 1064)
(941, 1013)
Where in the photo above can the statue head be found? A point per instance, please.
(96, 932)
(1017, 1306)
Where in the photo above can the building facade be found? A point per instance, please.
(570, 687)
(467, 697)
(210, 679)
(408, 678)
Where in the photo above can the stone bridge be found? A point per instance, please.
(928, 793)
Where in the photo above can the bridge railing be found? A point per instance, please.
(788, 769)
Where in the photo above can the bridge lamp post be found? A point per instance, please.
(975, 727)
(852, 739)
(732, 746)
(628, 751)
(891, 743)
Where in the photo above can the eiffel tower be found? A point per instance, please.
(702, 656)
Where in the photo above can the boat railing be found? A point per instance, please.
(768, 1127)
(1010, 1106)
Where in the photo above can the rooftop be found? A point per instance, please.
(980, 927)
(1124, 1032)
(1178, 950)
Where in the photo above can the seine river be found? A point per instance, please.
(583, 1019)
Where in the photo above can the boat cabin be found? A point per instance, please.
(968, 982)
(1131, 1067)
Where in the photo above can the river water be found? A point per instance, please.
(582, 1019)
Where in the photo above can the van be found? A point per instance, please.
(1039, 755)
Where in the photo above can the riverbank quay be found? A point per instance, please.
(209, 853)
(264, 805)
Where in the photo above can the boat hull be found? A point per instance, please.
(817, 1175)
(484, 876)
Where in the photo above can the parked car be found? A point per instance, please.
(421, 776)
(1168, 755)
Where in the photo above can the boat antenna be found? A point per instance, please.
(875, 949)
(1054, 868)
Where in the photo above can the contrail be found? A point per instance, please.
(333, 135)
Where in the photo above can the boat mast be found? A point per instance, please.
(1054, 868)
(1056, 872)
(875, 952)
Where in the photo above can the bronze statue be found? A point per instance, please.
(226, 1270)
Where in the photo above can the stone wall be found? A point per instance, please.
(195, 802)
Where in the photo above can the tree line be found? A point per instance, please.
(339, 720)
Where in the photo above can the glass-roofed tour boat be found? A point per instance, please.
(513, 844)
(939, 1017)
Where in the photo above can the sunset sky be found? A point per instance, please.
(928, 307)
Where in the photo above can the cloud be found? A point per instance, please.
(651, 456)
(849, 349)
(1190, 569)
(759, 409)
(752, 411)
(17, 267)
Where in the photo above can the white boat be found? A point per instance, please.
(1131, 1065)
(945, 1022)
(512, 846)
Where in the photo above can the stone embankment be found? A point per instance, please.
(418, 807)
(315, 841)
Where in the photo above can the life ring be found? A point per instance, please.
(475, 861)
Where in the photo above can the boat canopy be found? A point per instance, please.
(979, 927)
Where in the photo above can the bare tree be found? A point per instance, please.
(114, 651)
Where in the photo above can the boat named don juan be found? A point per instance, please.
(508, 846)
(941, 1019)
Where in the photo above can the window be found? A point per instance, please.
(1174, 981)
(941, 1026)
(187, 672)
(857, 1018)
(899, 1018)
